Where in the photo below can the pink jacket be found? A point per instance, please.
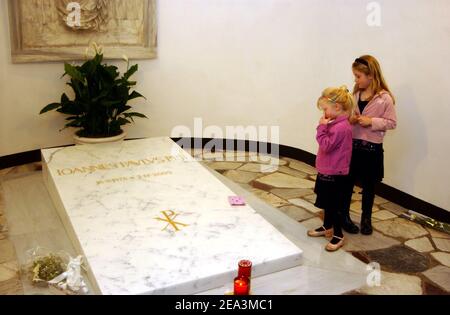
(335, 147)
(382, 111)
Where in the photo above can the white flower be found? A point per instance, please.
(94, 44)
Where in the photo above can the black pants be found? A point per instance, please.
(367, 168)
(330, 192)
(368, 194)
(332, 219)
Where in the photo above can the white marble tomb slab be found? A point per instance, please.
(113, 198)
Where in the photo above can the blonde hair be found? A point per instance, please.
(370, 66)
(338, 95)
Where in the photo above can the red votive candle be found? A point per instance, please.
(245, 269)
(241, 286)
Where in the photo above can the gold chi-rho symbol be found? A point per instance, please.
(170, 219)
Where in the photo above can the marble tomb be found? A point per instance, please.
(150, 219)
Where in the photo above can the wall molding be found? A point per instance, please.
(383, 190)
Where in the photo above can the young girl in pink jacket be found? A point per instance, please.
(374, 115)
(334, 135)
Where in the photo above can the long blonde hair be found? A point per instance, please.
(370, 66)
(338, 95)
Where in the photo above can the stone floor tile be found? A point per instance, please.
(11, 287)
(9, 270)
(280, 180)
(7, 251)
(393, 207)
(431, 289)
(422, 245)
(224, 165)
(442, 258)
(5, 171)
(37, 166)
(267, 159)
(379, 201)
(259, 168)
(395, 284)
(291, 193)
(400, 227)
(10, 283)
(213, 156)
(26, 168)
(311, 198)
(305, 204)
(383, 215)
(303, 167)
(238, 156)
(439, 275)
(240, 176)
(297, 213)
(442, 244)
(400, 259)
(2, 203)
(357, 189)
(437, 234)
(312, 223)
(357, 205)
(245, 186)
(290, 171)
(359, 242)
(287, 159)
(269, 198)
(3, 224)
(275, 161)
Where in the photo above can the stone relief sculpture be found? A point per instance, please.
(94, 13)
(49, 30)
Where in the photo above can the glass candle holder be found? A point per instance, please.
(245, 269)
(241, 286)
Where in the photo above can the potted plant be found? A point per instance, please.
(100, 105)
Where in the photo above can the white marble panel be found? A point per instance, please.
(112, 197)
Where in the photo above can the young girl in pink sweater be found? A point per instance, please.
(374, 115)
(334, 135)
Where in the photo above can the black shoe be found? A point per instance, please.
(348, 225)
(366, 226)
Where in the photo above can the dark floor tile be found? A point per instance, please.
(353, 293)
(431, 289)
(361, 256)
(261, 186)
(400, 259)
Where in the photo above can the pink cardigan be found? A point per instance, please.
(335, 147)
(382, 111)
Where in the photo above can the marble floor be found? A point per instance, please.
(413, 259)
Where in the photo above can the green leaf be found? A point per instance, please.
(122, 121)
(111, 103)
(98, 59)
(73, 72)
(122, 109)
(134, 95)
(49, 107)
(130, 72)
(74, 123)
(130, 115)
